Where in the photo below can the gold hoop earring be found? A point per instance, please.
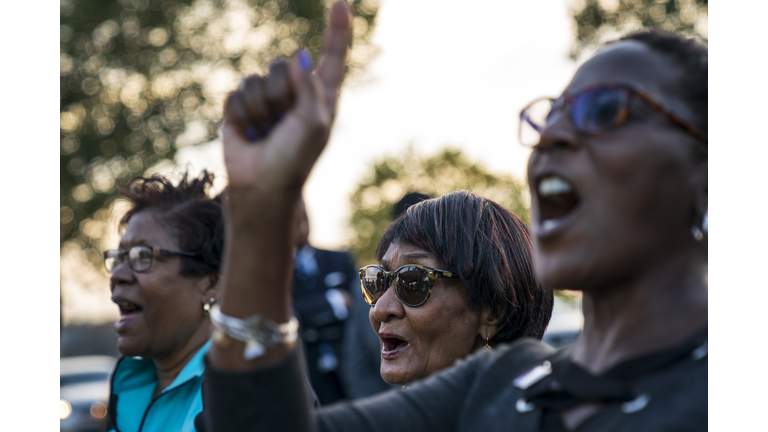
(487, 346)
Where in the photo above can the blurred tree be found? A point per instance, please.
(446, 171)
(598, 21)
(141, 78)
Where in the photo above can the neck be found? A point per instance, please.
(661, 309)
(169, 367)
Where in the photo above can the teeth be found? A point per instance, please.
(553, 186)
(127, 306)
(549, 224)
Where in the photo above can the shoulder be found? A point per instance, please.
(510, 360)
(678, 396)
(132, 372)
(492, 396)
(337, 267)
(333, 255)
(491, 371)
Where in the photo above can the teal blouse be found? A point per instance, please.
(132, 409)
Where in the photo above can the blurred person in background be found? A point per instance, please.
(164, 279)
(322, 280)
(409, 199)
(362, 348)
(618, 179)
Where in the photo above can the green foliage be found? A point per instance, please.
(598, 21)
(447, 171)
(141, 78)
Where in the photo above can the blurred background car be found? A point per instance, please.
(567, 321)
(84, 392)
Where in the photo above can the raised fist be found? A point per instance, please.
(275, 127)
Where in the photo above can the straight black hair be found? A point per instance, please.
(489, 248)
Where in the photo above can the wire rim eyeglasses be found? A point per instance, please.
(413, 283)
(140, 257)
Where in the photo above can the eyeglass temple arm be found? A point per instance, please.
(157, 252)
(676, 119)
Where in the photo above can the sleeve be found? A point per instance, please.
(270, 398)
(274, 398)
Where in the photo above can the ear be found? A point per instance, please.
(209, 287)
(489, 319)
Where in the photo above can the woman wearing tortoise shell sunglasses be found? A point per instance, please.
(428, 317)
(619, 204)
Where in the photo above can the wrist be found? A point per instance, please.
(247, 209)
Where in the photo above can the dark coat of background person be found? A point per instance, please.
(322, 330)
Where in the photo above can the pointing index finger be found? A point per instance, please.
(331, 68)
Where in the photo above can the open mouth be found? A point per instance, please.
(557, 201)
(392, 346)
(128, 309)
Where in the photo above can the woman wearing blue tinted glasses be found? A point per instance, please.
(618, 179)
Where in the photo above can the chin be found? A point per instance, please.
(556, 273)
(391, 379)
(394, 377)
(129, 347)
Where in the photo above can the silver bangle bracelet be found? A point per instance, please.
(258, 333)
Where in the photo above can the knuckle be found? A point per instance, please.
(251, 82)
(315, 122)
(278, 67)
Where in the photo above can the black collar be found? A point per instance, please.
(560, 384)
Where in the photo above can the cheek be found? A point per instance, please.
(174, 303)
(643, 199)
(446, 333)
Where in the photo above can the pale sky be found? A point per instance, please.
(449, 73)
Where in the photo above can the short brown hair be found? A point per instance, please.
(491, 251)
(187, 212)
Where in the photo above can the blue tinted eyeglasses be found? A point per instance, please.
(594, 109)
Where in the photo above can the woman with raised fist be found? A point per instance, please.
(618, 178)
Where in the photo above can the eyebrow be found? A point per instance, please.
(407, 257)
(121, 245)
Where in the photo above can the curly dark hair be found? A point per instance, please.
(689, 53)
(489, 248)
(187, 212)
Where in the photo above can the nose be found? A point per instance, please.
(122, 274)
(388, 307)
(559, 133)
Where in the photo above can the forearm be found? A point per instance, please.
(270, 399)
(275, 398)
(257, 270)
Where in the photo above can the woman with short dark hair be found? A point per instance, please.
(164, 278)
(461, 272)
